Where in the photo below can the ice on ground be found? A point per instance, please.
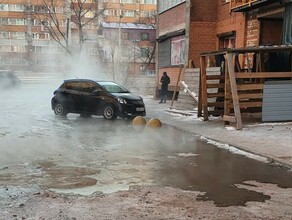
(187, 155)
(236, 150)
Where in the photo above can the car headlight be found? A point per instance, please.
(122, 101)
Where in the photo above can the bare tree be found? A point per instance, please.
(57, 22)
(145, 53)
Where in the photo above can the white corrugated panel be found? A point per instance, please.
(277, 101)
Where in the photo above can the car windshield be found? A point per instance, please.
(112, 87)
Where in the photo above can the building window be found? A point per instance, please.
(17, 35)
(127, 1)
(16, 7)
(125, 35)
(178, 50)
(147, 14)
(144, 36)
(148, 2)
(144, 52)
(227, 42)
(3, 7)
(128, 13)
(18, 48)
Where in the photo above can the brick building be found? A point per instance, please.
(26, 43)
(210, 25)
(128, 33)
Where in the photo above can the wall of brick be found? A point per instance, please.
(203, 10)
(202, 28)
(252, 30)
(202, 38)
(172, 19)
(227, 22)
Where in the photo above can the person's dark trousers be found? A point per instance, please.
(163, 97)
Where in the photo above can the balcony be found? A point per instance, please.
(247, 5)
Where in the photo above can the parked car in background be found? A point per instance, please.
(89, 97)
(8, 79)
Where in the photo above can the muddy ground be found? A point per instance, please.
(146, 203)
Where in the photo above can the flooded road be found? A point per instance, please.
(87, 155)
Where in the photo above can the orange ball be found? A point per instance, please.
(154, 123)
(139, 122)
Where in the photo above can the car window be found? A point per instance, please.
(72, 85)
(114, 88)
(87, 87)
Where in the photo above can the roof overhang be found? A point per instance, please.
(255, 4)
(171, 34)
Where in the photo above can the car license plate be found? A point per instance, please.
(140, 109)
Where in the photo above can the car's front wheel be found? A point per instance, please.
(60, 110)
(109, 112)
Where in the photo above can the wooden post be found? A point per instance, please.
(234, 93)
(199, 114)
(227, 94)
(247, 63)
(176, 86)
(237, 64)
(203, 94)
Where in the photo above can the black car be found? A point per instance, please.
(88, 97)
(8, 79)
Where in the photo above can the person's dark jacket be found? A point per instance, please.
(165, 80)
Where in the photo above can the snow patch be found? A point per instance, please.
(235, 150)
(269, 124)
(187, 155)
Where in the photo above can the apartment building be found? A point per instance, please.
(128, 30)
(27, 43)
(131, 11)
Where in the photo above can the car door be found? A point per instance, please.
(91, 96)
(72, 96)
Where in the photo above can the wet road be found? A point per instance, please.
(86, 155)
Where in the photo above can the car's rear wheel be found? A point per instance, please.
(60, 110)
(109, 112)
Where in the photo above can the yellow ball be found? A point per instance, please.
(139, 122)
(154, 123)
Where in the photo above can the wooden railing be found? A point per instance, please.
(237, 90)
(240, 3)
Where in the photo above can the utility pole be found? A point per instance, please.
(29, 36)
(119, 41)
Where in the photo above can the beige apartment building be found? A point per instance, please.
(26, 42)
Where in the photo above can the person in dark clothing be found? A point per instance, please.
(165, 80)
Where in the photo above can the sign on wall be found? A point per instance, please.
(178, 50)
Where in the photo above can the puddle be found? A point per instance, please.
(84, 156)
(66, 177)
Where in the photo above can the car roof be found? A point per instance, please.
(88, 80)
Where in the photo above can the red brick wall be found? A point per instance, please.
(202, 33)
(210, 18)
(252, 30)
(203, 10)
(227, 22)
(173, 19)
(202, 38)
